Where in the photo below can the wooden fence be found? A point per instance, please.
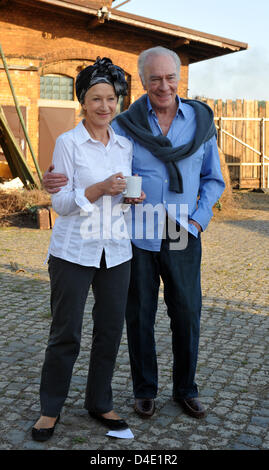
(243, 136)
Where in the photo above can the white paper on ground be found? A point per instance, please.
(123, 434)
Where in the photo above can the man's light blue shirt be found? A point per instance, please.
(201, 175)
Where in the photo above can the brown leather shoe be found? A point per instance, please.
(193, 407)
(144, 407)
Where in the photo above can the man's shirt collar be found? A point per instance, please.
(180, 108)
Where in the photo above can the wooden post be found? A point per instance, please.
(53, 216)
(43, 219)
(239, 133)
(230, 128)
(262, 178)
(256, 142)
(266, 139)
(220, 141)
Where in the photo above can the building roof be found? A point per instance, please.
(197, 45)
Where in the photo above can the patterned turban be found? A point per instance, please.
(102, 71)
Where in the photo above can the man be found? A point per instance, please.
(175, 152)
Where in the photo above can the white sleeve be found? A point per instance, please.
(68, 199)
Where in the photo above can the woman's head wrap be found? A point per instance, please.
(102, 71)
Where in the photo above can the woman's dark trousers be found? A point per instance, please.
(70, 285)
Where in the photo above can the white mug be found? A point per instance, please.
(133, 186)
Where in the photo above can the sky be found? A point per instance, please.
(239, 75)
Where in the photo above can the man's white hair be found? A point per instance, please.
(156, 51)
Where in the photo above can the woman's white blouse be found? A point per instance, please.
(83, 229)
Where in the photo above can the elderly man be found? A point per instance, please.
(175, 152)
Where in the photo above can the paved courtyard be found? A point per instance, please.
(233, 369)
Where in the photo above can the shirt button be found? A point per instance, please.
(166, 181)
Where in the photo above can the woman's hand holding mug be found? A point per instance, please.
(114, 185)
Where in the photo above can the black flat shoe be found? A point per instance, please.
(113, 424)
(43, 434)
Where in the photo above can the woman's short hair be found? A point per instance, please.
(156, 51)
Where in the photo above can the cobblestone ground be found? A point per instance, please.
(233, 365)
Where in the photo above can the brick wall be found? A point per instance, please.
(54, 43)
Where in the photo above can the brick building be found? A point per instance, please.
(47, 42)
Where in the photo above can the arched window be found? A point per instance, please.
(56, 87)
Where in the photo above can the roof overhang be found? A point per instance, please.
(196, 45)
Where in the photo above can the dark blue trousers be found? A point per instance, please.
(180, 273)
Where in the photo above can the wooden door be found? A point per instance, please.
(52, 123)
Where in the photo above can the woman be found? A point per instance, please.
(86, 249)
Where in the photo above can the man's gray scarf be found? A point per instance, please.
(135, 122)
